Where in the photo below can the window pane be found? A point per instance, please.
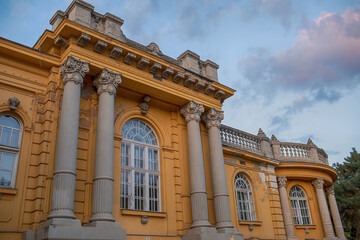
(5, 138)
(9, 121)
(5, 178)
(152, 155)
(7, 161)
(139, 187)
(153, 193)
(125, 189)
(125, 154)
(139, 157)
(15, 138)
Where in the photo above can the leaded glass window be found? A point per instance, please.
(244, 198)
(10, 136)
(299, 206)
(140, 173)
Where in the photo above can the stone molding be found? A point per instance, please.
(282, 181)
(212, 118)
(330, 190)
(318, 183)
(74, 70)
(107, 81)
(192, 111)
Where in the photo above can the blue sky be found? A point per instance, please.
(295, 64)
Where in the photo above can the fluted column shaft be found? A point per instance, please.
(106, 84)
(192, 112)
(324, 212)
(335, 213)
(213, 118)
(288, 222)
(73, 72)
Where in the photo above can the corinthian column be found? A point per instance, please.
(192, 112)
(106, 84)
(288, 222)
(335, 213)
(73, 71)
(212, 119)
(324, 212)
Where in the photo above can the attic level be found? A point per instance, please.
(83, 13)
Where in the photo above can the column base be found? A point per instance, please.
(209, 233)
(65, 229)
(331, 238)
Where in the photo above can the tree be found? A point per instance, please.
(347, 192)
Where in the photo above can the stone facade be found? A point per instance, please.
(116, 140)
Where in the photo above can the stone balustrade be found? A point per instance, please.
(283, 151)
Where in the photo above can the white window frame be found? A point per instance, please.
(301, 214)
(131, 202)
(244, 198)
(11, 150)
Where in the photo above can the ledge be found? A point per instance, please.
(305, 226)
(10, 191)
(256, 223)
(143, 213)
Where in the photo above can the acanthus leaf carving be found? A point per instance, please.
(282, 181)
(192, 111)
(212, 117)
(74, 70)
(107, 81)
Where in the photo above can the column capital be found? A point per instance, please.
(74, 70)
(212, 117)
(330, 190)
(107, 81)
(282, 181)
(318, 183)
(192, 111)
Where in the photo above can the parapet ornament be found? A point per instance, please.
(318, 183)
(74, 70)
(154, 49)
(212, 117)
(330, 190)
(282, 181)
(192, 111)
(107, 81)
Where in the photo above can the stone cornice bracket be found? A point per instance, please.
(61, 41)
(83, 40)
(129, 58)
(74, 70)
(142, 63)
(107, 81)
(155, 68)
(282, 181)
(188, 81)
(209, 89)
(13, 102)
(212, 117)
(219, 93)
(192, 111)
(115, 52)
(100, 46)
(167, 72)
(178, 77)
(318, 183)
(199, 84)
(330, 190)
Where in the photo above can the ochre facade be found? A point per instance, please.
(88, 51)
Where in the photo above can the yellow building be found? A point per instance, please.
(104, 138)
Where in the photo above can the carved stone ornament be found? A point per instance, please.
(142, 63)
(154, 49)
(192, 111)
(282, 182)
(83, 40)
(167, 72)
(129, 58)
(178, 77)
(209, 89)
(310, 143)
(199, 84)
(74, 70)
(115, 52)
(107, 81)
(62, 42)
(100, 46)
(261, 133)
(188, 81)
(212, 117)
(318, 183)
(219, 93)
(14, 102)
(330, 190)
(274, 139)
(155, 68)
(144, 106)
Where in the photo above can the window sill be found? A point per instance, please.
(305, 226)
(9, 191)
(257, 223)
(143, 213)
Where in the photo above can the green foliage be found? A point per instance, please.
(347, 192)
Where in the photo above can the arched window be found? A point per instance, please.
(299, 206)
(10, 136)
(244, 198)
(140, 170)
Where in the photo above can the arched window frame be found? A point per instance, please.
(244, 198)
(299, 206)
(140, 174)
(9, 148)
